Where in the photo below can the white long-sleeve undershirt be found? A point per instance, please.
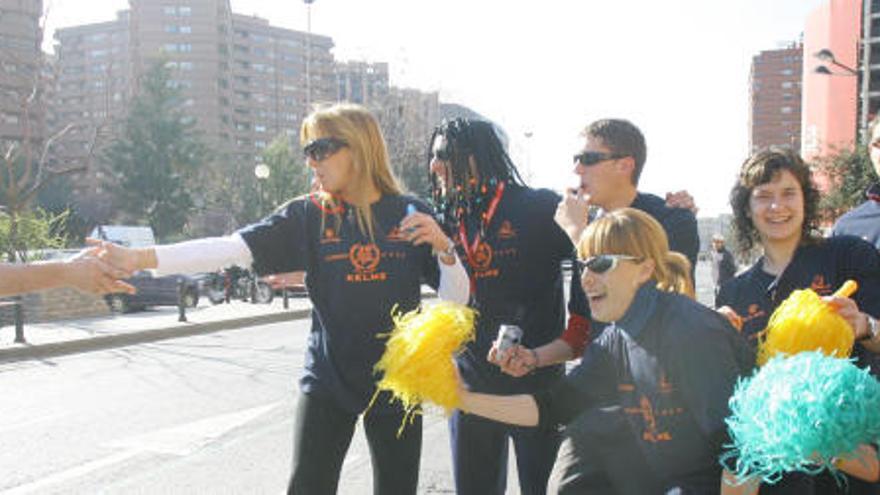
(213, 253)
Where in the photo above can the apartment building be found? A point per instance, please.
(242, 81)
(21, 71)
(775, 98)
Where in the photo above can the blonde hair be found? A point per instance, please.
(635, 233)
(360, 130)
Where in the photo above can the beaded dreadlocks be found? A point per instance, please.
(466, 195)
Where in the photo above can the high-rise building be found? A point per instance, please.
(775, 98)
(21, 71)
(242, 81)
(362, 82)
(870, 57)
(93, 83)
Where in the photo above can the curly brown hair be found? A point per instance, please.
(761, 168)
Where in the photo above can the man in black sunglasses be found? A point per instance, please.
(609, 166)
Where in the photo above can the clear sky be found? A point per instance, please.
(678, 69)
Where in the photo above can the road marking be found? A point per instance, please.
(179, 440)
(185, 439)
(33, 421)
(73, 473)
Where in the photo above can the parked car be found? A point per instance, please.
(154, 291)
(295, 282)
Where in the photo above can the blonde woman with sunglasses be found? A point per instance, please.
(651, 391)
(366, 248)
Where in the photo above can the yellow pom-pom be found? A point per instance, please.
(803, 322)
(417, 363)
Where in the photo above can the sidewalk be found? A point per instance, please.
(87, 334)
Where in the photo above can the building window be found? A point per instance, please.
(785, 109)
(259, 128)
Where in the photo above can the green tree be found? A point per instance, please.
(849, 173)
(22, 234)
(157, 157)
(288, 174)
(57, 201)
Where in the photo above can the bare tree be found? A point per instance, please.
(26, 164)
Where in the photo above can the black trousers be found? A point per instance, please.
(322, 434)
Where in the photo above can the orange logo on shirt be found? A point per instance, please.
(482, 257)
(652, 433)
(365, 259)
(505, 231)
(754, 311)
(329, 235)
(664, 384)
(819, 285)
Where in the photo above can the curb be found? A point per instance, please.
(54, 349)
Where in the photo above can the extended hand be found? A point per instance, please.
(420, 228)
(573, 212)
(515, 361)
(681, 199)
(849, 310)
(88, 273)
(120, 257)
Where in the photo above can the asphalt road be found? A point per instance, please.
(207, 414)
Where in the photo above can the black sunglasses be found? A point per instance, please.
(603, 263)
(319, 149)
(587, 158)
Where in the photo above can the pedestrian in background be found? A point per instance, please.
(723, 264)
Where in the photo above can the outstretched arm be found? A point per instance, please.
(200, 255)
(83, 272)
(519, 410)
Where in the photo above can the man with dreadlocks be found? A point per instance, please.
(513, 249)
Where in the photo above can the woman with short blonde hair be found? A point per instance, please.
(652, 388)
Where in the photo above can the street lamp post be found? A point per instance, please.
(262, 172)
(308, 107)
(827, 56)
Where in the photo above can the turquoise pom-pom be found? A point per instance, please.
(797, 413)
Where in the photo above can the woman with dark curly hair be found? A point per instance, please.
(775, 206)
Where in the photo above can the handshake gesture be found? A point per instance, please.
(98, 269)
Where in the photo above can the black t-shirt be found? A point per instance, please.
(354, 282)
(680, 225)
(823, 267)
(675, 400)
(516, 270)
(864, 220)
